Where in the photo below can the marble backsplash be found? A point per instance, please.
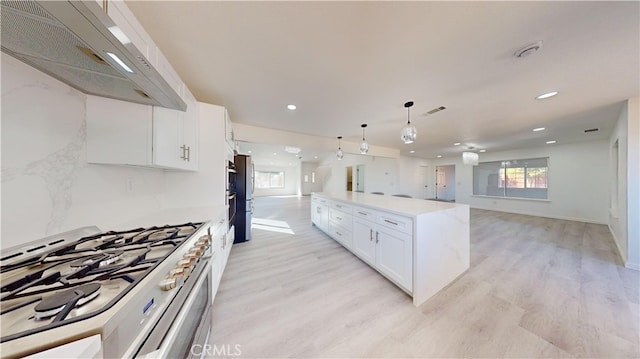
(47, 185)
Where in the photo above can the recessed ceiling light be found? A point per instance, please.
(412, 151)
(439, 156)
(483, 151)
(291, 107)
(316, 157)
(457, 144)
(249, 152)
(550, 142)
(547, 95)
(289, 163)
(538, 129)
(275, 153)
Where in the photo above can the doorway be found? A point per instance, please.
(446, 183)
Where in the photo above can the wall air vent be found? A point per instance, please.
(591, 130)
(431, 112)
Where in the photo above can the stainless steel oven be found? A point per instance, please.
(183, 330)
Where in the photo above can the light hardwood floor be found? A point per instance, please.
(537, 287)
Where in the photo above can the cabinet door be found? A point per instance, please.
(119, 12)
(190, 132)
(118, 132)
(394, 256)
(167, 138)
(364, 245)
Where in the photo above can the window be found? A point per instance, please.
(523, 178)
(265, 180)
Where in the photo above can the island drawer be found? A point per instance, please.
(399, 223)
(341, 235)
(341, 218)
(342, 206)
(365, 213)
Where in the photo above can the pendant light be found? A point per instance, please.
(364, 146)
(470, 158)
(339, 153)
(409, 132)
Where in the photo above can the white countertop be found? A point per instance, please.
(403, 206)
(174, 216)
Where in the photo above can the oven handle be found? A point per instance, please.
(174, 332)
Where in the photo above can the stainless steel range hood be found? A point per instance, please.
(71, 41)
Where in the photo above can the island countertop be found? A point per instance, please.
(403, 206)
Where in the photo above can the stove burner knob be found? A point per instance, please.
(186, 265)
(168, 283)
(205, 239)
(197, 251)
(177, 271)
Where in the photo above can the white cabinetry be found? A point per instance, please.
(387, 249)
(175, 135)
(421, 246)
(320, 213)
(120, 132)
(341, 224)
(364, 245)
(131, 28)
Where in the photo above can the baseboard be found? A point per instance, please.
(634, 266)
(539, 215)
(619, 250)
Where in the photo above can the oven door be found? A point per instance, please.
(178, 334)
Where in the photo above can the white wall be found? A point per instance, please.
(617, 180)
(291, 181)
(577, 182)
(308, 168)
(379, 173)
(624, 215)
(633, 183)
(47, 185)
(411, 177)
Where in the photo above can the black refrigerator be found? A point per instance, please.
(244, 198)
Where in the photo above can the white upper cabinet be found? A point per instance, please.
(118, 132)
(125, 133)
(132, 29)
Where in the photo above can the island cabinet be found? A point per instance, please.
(421, 246)
(320, 214)
(384, 241)
(341, 223)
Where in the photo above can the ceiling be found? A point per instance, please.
(280, 156)
(347, 63)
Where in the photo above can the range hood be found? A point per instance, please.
(71, 41)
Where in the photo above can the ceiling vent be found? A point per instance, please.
(591, 130)
(528, 50)
(431, 112)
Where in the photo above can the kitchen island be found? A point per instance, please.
(419, 245)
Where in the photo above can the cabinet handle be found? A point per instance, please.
(184, 152)
(392, 222)
(362, 213)
(338, 233)
(188, 159)
(338, 218)
(370, 235)
(377, 235)
(339, 206)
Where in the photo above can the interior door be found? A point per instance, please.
(360, 178)
(441, 182)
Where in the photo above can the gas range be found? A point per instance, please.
(86, 282)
